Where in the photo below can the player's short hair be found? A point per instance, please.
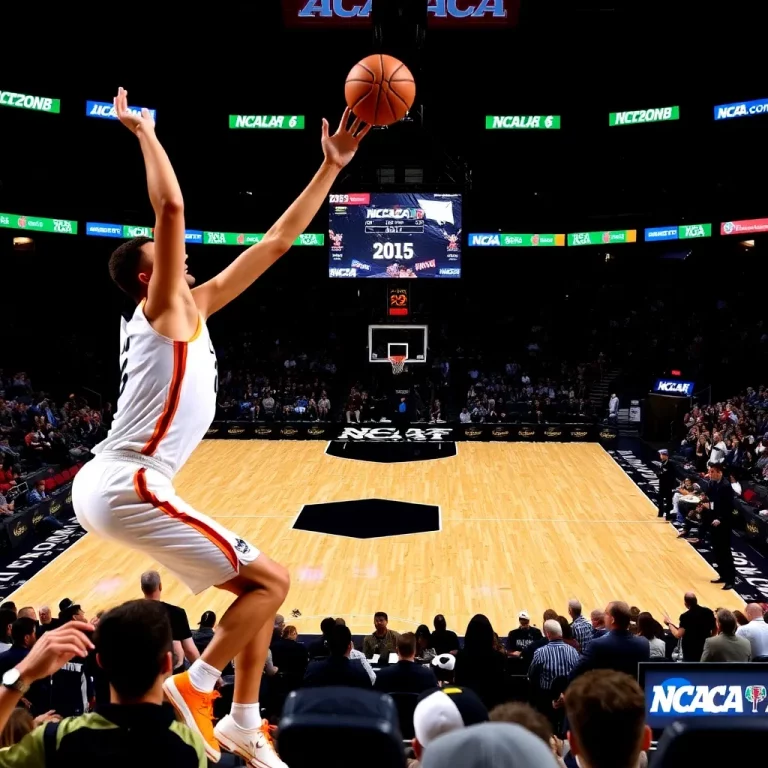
(132, 643)
(124, 266)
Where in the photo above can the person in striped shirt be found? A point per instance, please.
(583, 631)
(553, 660)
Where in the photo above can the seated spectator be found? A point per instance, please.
(318, 649)
(381, 641)
(356, 655)
(653, 632)
(6, 507)
(441, 712)
(444, 640)
(202, 636)
(406, 676)
(133, 645)
(19, 724)
(337, 669)
(726, 645)
(606, 715)
(597, 617)
(38, 495)
(524, 636)
(289, 655)
(756, 631)
(425, 651)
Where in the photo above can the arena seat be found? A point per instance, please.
(50, 484)
(66, 475)
(58, 479)
(320, 721)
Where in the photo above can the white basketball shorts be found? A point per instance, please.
(130, 502)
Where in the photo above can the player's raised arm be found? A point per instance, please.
(339, 150)
(167, 280)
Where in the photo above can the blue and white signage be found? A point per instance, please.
(193, 236)
(485, 239)
(106, 110)
(96, 229)
(741, 109)
(700, 690)
(661, 233)
(673, 387)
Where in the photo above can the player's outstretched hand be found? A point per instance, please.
(340, 148)
(136, 123)
(54, 649)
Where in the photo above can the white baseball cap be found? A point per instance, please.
(523, 615)
(446, 710)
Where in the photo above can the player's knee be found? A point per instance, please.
(281, 583)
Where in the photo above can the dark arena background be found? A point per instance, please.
(566, 230)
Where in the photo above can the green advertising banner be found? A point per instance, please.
(522, 122)
(524, 241)
(234, 238)
(603, 238)
(38, 224)
(690, 231)
(638, 116)
(284, 122)
(130, 231)
(25, 101)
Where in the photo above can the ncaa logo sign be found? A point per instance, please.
(678, 696)
(485, 239)
(674, 387)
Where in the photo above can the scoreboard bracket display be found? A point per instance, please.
(395, 235)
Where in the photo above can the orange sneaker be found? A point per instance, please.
(195, 708)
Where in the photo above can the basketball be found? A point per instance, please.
(380, 90)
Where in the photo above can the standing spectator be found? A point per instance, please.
(444, 640)
(479, 665)
(667, 483)
(554, 660)
(406, 676)
(696, 625)
(606, 715)
(134, 648)
(613, 409)
(756, 632)
(46, 620)
(717, 518)
(597, 619)
(7, 617)
(183, 644)
(24, 639)
(71, 686)
(619, 649)
(581, 628)
(381, 641)
(726, 645)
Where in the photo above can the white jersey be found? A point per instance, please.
(167, 394)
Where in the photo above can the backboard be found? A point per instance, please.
(387, 340)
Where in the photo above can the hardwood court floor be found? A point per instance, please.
(524, 527)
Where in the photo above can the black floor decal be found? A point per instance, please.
(368, 518)
(18, 566)
(389, 452)
(751, 567)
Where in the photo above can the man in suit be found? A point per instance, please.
(337, 669)
(619, 649)
(726, 645)
(406, 676)
(667, 483)
(717, 520)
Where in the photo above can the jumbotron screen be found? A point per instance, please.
(395, 235)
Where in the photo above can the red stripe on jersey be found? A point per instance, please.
(171, 401)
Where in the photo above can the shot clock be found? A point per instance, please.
(394, 235)
(398, 301)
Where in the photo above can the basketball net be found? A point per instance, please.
(398, 363)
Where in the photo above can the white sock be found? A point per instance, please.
(203, 676)
(247, 716)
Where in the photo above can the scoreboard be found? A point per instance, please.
(395, 235)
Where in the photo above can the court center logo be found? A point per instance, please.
(391, 434)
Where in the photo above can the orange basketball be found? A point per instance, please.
(380, 90)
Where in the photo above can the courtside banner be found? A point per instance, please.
(349, 14)
(683, 232)
(741, 109)
(106, 110)
(416, 433)
(744, 227)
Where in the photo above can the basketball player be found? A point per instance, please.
(167, 401)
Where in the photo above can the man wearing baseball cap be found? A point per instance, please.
(442, 711)
(523, 637)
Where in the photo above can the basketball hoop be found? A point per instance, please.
(398, 363)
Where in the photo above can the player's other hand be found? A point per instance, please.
(340, 148)
(54, 649)
(136, 123)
